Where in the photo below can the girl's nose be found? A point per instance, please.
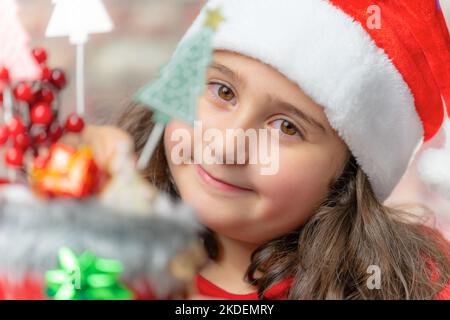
(239, 138)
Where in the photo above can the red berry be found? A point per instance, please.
(4, 74)
(22, 141)
(47, 95)
(74, 123)
(16, 126)
(1, 97)
(4, 134)
(40, 54)
(55, 132)
(58, 78)
(14, 157)
(46, 74)
(41, 113)
(41, 137)
(23, 92)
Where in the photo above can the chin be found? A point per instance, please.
(215, 215)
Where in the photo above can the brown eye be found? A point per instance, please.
(288, 128)
(225, 93)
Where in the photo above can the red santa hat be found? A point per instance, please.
(381, 84)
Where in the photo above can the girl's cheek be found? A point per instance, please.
(176, 125)
(212, 116)
(177, 136)
(299, 185)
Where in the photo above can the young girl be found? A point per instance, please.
(352, 101)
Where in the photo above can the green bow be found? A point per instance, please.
(85, 277)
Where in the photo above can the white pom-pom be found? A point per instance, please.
(434, 166)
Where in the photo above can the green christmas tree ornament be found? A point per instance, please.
(175, 92)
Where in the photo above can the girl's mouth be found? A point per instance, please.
(210, 180)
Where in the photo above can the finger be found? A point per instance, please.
(107, 143)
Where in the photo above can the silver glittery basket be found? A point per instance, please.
(160, 251)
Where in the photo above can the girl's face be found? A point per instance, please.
(236, 200)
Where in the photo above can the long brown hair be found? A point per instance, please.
(328, 257)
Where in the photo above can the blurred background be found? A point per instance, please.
(118, 63)
(144, 36)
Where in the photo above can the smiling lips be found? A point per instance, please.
(219, 184)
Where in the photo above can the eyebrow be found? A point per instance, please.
(228, 72)
(297, 112)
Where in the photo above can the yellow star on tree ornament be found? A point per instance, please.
(214, 18)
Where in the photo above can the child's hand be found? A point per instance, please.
(106, 142)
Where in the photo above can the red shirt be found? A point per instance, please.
(444, 294)
(277, 292)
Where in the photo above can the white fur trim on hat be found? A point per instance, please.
(336, 62)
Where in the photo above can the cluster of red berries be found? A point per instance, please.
(33, 111)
